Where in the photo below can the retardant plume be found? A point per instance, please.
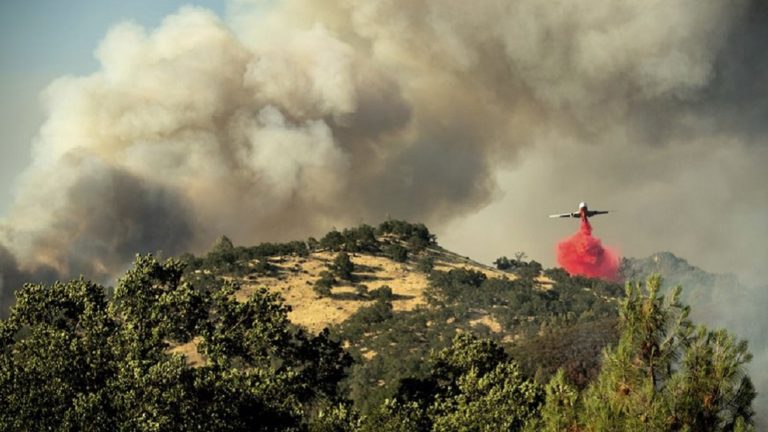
(584, 255)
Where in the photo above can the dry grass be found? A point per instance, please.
(295, 278)
(189, 350)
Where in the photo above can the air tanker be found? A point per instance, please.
(583, 213)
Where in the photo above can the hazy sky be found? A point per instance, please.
(41, 40)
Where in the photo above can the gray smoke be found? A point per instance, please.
(476, 118)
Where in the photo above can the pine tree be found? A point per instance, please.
(667, 375)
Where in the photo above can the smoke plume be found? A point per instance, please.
(584, 255)
(293, 117)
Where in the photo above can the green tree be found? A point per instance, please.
(666, 374)
(425, 264)
(73, 359)
(559, 411)
(500, 400)
(503, 263)
(222, 257)
(333, 241)
(397, 253)
(342, 266)
(324, 284)
(472, 386)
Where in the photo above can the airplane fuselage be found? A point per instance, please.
(584, 213)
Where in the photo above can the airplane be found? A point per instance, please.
(583, 213)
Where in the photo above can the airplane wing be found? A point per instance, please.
(597, 212)
(563, 215)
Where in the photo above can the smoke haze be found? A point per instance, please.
(477, 118)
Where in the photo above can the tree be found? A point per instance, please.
(665, 374)
(222, 255)
(324, 284)
(397, 253)
(72, 358)
(503, 263)
(425, 264)
(559, 410)
(472, 386)
(360, 239)
(333, 240)
(342, 266)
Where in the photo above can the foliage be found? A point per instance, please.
(472, 385)
(361, 290)
(416, 235)
(225, 259)
(521, 268)
(425, 264)
(333, 240)
(358, 239)
(383, 292)
(564, 326)
(397, 253)
(664, 375)
(74, 359)
(324, 284)
(264, 268)
(574, 348)
(342, 266)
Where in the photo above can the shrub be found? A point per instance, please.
(425, 264)
(324, 284)
(361, 290)
(397, 253)
(383, 292)
(342, 266)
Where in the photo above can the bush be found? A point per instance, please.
(425, 264)
(397, 253)
(323, 285)
(503, 263)
(263, 267)
(332, 241)
(361, 290)
(342, 266)
(383, 292)
(417, 235)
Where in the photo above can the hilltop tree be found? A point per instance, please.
(333, 241)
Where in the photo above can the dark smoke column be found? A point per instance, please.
(584, 255)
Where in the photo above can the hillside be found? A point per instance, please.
(714, 297)
(367, 329)
(406, 297)
(293, 278)
(676, 271)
